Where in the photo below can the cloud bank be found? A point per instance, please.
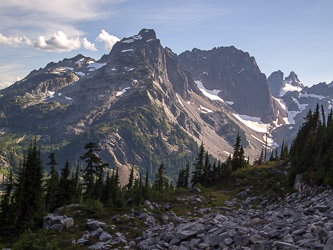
(109, 40)
(58, 43)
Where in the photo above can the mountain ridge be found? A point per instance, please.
(143, 106)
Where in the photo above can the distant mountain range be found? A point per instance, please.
(145, 105)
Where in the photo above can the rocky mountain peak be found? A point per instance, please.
(237, 77)
(293, 80)
(276, 83)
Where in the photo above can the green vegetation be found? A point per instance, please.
(311, 151)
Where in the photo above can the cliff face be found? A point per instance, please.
(238, 77)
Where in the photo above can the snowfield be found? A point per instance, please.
(211, 94)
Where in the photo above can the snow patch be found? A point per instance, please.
(211, 94)
(178, 97)
(128, 41)
(137, 37)
(205, 73)
(306, 95)
(51, 94)
(149, 40)
(68, 98)
(205, 110)
(229, 102)
(119, 93)
(80, 73)
(80, 61)
(253, 123)
(94, 66)
(291, 127)
(69, 68)
(291, 114)
(204, 57)
(113, 69)
(130, 69)
(241, 71)
(59, 94)
(127, 50)
(288, 87)
(227, 153)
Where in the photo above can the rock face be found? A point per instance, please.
(276, 83)
(238, 77)
(58, 223)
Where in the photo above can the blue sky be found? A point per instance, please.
(282, 35)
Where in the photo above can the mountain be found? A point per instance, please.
(237, 77)
(280, 86)
(144, 105)
(296, 101)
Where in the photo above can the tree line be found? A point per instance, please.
(311, 152)
(33, 193)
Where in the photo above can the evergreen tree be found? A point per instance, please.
(94, 167)
(7, 212)
(28, 197)
(197, 174)
(52, 189)
(238, 159)
(64, 196)
(75, 186)
(207, 170)
(131, 179)
(160, 181)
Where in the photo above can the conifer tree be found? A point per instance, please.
(64, 196)
(160, 181)
(131, 179)
(29, 191)
(7, 212)
(207, 170)
(52, 189)
(94, 167)
(197, 174)
(238, 159)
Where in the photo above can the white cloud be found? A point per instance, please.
(5, 84)
(109, 40)
(12, 41)
(58, 43)
(88, 45)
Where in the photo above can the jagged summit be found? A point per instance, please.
(236, 74)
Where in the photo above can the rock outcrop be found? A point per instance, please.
(57, 222)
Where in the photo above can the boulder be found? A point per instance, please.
(94, 225)
(105, 236)
(57, 223)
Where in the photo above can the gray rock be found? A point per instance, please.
(189, 230)
(258, 247)
(321, 233)
(96, 233)
(283, 245)
(329, 244)
(216, 240)
(94, 225)
(241, 241)
(228, 241)
(174, 241)
(105, 236)
(98, 246)
(61, 222)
